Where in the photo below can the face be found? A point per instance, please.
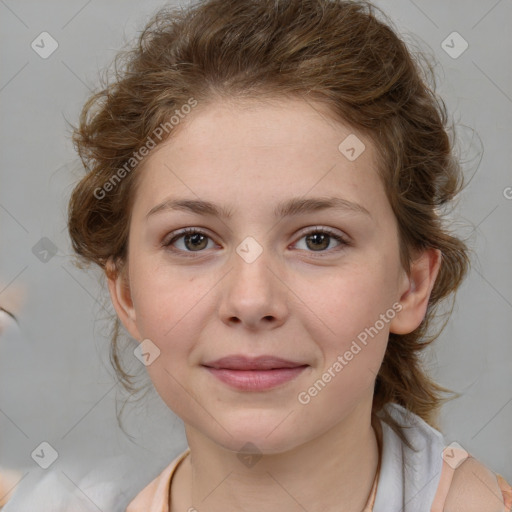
(318, 287)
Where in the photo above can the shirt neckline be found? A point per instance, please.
(369, 502)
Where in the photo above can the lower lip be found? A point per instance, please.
(256, 380)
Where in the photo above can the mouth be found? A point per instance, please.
(256, 380)
(241, 362)
(254, 374)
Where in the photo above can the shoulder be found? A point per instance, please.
(475, 487)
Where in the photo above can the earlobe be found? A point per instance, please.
(120, 296)
(417, 286)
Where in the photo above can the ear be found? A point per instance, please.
(415, 291)
(119, 289)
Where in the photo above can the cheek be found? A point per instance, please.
(352, 339)
(350, 334)
(342, 304)
(169, 311)
(165, 301)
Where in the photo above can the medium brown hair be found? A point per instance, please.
(339, 53)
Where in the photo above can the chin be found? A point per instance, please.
(264, 438)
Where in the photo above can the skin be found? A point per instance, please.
(297, 300)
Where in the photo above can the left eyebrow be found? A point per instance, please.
(294, 206)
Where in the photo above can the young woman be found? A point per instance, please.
(266, 188)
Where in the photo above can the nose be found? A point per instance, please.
(254, 294)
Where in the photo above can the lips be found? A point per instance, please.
(244, 363)
(255, 374)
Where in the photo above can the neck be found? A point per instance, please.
(333, 472)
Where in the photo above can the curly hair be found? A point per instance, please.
(345, 54)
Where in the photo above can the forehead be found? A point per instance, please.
(271, 124)
(244, 151)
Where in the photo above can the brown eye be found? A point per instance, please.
(193, 241)
(318, 240)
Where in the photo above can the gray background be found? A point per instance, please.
(56, 384)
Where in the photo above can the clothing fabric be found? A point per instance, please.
(69, 487)
(409, 480)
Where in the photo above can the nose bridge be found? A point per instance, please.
(253, 294)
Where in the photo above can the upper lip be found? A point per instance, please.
(241, 362)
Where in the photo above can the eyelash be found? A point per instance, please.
(189, 231)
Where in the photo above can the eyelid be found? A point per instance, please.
(331, 231)
(175, 235)
(340, 237)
